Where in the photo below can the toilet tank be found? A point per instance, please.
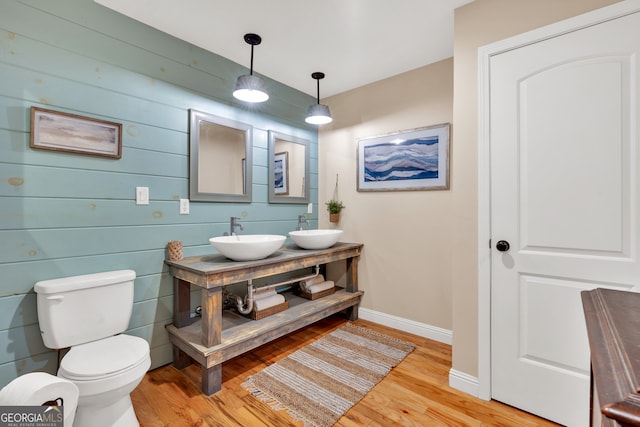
(79, 309)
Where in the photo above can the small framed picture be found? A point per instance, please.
(281, 173)
(416, 159)
(58, 131)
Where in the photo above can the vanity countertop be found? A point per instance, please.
(215, 270)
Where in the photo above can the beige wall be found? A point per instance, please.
(405, 269)
(420, 255)
(477, 24)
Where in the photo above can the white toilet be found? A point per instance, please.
(85, 313)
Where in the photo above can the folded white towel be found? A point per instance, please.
(264, 293)
(304, 284)
(264, 303)
(319, 287)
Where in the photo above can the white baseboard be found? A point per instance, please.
(458, 380)
(463, 382)
(406, 325)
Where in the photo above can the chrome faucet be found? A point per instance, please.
(302, 219)
(235, 224)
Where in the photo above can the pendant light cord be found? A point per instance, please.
(251, 69)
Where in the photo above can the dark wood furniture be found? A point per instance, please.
(613, 326)
(221, 335)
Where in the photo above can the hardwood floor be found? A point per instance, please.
(415, 393)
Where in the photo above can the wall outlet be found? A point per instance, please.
(184, 206)
(142, 195)
(310, 208)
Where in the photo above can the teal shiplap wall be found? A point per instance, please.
(64, 214)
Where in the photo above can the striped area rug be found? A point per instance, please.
(320, 382)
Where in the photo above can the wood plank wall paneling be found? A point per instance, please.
(65, 214)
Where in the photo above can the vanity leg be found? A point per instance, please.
(352, 285)
(211, 335)
(181, 303)
(211, 316)
(181, 318)
(211, 379)
(180, 359)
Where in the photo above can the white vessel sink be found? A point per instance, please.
(248, 247)
(315, 239)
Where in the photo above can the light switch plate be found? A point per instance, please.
(310, 208)
(184, 206)
(142, 195)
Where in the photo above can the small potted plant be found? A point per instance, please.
(334, 207)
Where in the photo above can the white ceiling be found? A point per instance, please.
(354, 42)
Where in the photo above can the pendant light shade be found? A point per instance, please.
(250, 88)
(318, 114)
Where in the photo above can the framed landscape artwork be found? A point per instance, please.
(58, 131)
(416, 159)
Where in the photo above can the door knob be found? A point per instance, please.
(502, 245)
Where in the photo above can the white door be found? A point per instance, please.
(564, 195)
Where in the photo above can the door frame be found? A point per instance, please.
(485, 53)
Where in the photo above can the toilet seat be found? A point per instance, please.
(104, 358)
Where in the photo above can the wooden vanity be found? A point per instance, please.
(221, 335)
(613, 326)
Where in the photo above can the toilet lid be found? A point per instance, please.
(104, 357)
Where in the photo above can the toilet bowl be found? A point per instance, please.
(88, 314)
(106, 372)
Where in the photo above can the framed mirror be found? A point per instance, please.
(220, 160)
(288, 169)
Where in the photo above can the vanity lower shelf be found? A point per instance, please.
(240, 334)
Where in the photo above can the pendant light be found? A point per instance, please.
(250, 88)
(318, 114)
